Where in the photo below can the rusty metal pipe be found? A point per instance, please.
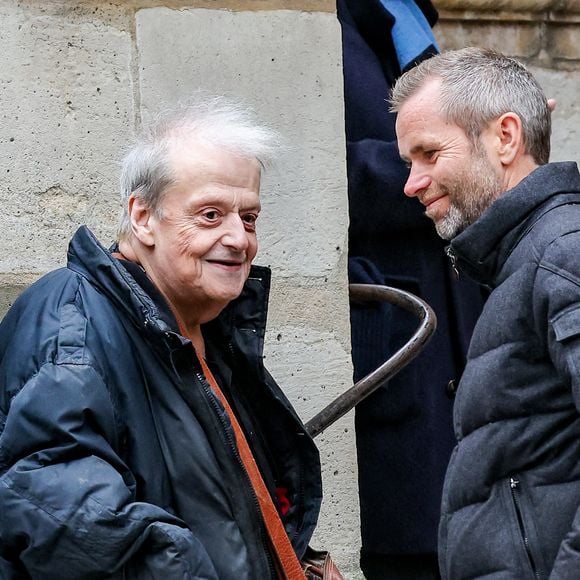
(367, 385)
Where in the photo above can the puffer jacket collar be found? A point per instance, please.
(149, 312)
(481, 249)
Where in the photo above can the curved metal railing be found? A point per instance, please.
(367, 385)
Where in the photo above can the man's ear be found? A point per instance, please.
(510, 137)
(140, 216)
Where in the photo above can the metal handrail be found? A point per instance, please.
(367, 385)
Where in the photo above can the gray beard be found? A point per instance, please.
(452, 224)
(470, 194)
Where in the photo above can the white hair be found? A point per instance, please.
(147, 170)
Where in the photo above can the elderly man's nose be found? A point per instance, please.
(416, 183)
(236, 235)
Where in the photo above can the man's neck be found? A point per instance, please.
(127, 251)
(519, 171)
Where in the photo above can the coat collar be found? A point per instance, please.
(143, 304)
(482, 248)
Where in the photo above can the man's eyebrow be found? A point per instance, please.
(252, 206)
(212, 198)
(422, 147)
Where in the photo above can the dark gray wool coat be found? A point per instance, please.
(512, 489)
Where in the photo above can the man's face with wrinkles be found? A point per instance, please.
(451, 176)
(203, 237)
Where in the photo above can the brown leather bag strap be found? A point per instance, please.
(287, 564)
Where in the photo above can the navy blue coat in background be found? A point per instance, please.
(404, 431)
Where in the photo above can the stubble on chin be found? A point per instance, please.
(470, 194)
(452, 224)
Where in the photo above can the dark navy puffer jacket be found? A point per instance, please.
(512, 491)
(116, 459)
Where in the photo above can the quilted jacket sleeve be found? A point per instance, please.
(67, 500)
(567, 356)
(559, 290)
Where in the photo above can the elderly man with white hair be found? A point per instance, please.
(140, 435)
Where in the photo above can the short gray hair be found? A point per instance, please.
(479, 85)
(147, 170)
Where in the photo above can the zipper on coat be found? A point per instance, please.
(451, 255)
(212, 398)
(515, 488)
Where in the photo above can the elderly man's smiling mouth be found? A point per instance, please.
(226, 263)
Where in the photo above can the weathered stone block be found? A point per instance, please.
(565, 88)
(497, 5)
(568, 7)
(66, 107)
(287, 65)
(522, 40)
(563, 41)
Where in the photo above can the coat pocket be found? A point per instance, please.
(525, 527)
(567, 324)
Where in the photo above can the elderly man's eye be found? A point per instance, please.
(249, 220)
(211, 215)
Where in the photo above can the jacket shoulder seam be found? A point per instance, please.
(549, 266)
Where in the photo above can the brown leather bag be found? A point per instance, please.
(318, 564)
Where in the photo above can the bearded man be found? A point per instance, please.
(140, 435)
(474, 127)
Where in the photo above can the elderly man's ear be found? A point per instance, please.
(552, 105)
(140, 215)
